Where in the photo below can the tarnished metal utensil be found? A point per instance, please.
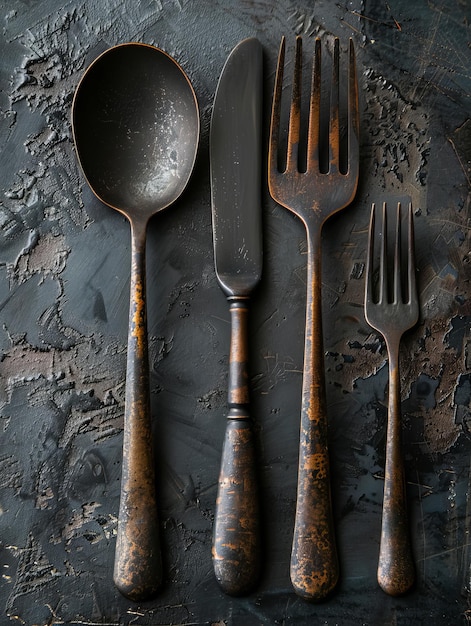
(136, 130)
(314, 190)
(235, 156)
(392, 308)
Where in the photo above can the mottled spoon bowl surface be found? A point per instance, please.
(136, 128)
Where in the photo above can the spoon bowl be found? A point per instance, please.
(136, 126)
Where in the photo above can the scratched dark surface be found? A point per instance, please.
(64, 289)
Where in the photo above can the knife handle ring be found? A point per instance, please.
(238, 394)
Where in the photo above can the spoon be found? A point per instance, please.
(136, 126)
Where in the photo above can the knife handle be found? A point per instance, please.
(236, 540)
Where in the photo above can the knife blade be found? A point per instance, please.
(235, 169)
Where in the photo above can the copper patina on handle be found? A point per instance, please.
(236, 542)
(396, 570)
(138, 564)
(314, 561)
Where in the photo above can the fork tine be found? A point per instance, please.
(369, 297)
(383, 264)
(397, 259)
(295, 112)
(276, 112)
(411, 274)
(334, 123)
(353, 115)
(314, 109)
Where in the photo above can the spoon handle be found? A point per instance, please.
(138, 565)
(236, 540)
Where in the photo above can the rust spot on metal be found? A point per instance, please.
(138, 315)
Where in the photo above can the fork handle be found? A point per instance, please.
(396, 572)
(236, 541)
(314, 562)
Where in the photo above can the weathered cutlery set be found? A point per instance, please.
(136, 131)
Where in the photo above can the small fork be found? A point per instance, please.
(391, 311)
(314, 195)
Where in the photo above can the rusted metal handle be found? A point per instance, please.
(314, 562)
(396, 571)
(236, 541)
(138, 565)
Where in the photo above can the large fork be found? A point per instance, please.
(391, 310)
(314, 195)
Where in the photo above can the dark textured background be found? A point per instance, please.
(64, 281)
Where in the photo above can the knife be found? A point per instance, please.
(235, 164)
